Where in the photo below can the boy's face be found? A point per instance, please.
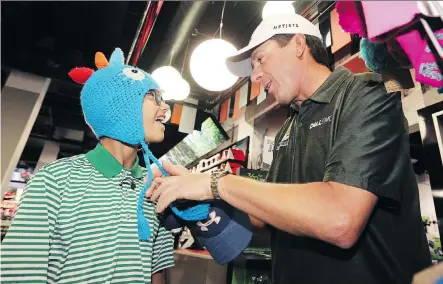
(154, 113)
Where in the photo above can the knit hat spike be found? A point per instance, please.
(100, 60)
(80, 75)
(117, 57)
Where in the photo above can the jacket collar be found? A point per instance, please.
(107, 165)
(325, 93)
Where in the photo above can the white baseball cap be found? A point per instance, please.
(240, 63)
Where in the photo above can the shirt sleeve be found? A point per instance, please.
(25, 248)
(163, 250)
(371, 144)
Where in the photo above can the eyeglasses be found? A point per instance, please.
(157, 96)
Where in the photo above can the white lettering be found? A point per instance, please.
(321, 122)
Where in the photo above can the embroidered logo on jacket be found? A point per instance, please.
(321, 122)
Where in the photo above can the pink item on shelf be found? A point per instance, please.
(382, 17)
(349, 17)
(421, 57)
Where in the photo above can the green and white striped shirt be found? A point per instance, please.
(77, 223)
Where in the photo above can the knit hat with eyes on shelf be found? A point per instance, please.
(112, 103)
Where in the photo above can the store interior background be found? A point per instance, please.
(42, 118)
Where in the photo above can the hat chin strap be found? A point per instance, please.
(195, 213)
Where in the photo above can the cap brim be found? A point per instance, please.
(227, 245)
(240, 63)
(240, 68)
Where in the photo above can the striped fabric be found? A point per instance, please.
(74, 225)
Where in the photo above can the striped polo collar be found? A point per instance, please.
(107, 165)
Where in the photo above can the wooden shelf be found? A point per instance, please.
(194, 253)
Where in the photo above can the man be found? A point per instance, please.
(342, 200)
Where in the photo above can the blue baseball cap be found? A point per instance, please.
(225, 233)
(171, 222)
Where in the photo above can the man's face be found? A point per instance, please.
(279, 69)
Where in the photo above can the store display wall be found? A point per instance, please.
(429, 217)
(431, 185)
(265, 130)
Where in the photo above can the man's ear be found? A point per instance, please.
(300, 44)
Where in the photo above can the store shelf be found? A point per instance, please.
(257, 253)
(8, 207)
(242, 163)
(354, 63)
(214, 159)
(194, 253)
(227, 156)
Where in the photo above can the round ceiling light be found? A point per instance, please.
(208, 67)
(166, 73)
(182, 90)
(277, 8)
(171, 82)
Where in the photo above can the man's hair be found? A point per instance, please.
(315, 45)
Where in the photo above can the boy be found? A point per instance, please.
(84, 219)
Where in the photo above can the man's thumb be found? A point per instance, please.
(174, 170)
(156, 171)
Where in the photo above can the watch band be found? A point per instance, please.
(215, 177)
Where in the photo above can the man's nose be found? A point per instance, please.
(256, 75)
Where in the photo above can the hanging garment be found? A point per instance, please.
(419, 35)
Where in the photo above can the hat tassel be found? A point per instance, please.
(195, 213)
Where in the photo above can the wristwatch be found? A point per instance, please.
(215, 177)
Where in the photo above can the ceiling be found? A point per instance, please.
(239, 21)
(50, 38)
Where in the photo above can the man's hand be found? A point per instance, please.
(170, 168)
(189, 186)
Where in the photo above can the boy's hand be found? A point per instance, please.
(170, 168)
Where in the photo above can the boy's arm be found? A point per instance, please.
(25, 249)
(162, 253)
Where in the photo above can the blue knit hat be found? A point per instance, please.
(112, 102)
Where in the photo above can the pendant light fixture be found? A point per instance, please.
(207, 63)
(171, 81)
(277, 8)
